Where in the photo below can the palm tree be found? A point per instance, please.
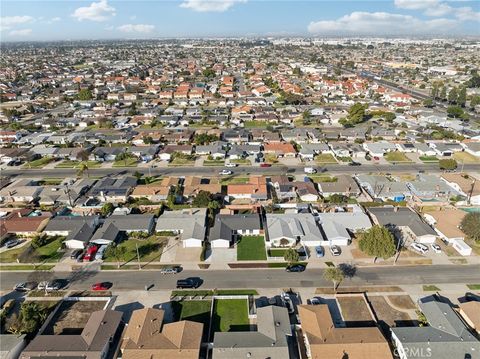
(83, 168)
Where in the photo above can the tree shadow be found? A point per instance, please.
(349, 270)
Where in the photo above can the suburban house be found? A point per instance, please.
(466, 185)
(428, 187)
(344, 185)
(284, 189)
(470, 312)
(379, 149)
(446, 336)
(288, 229)
(94, 341)
(115, 224)
(337, 226)
(192, 185)
(227, 228)
(323, 340)
(24, 222)
(105, 154)
(270, 340)
(280, 149)
(254, 190)
(309, 150)
(472, 147)
(155, 192)
(406, 220)
(384, 188)
(78, 230)
(190, 224)
(20, 191)
(114, 190)
(147, 336)
(446, 222)
(445, 149)
(306, 191)
(65, 193)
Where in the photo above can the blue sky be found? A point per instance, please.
(23, 20)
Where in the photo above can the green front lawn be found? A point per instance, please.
(76, 164)
(473, 286)
(29, 267)
(149, 249)
(242, 161)
(230, 315)
(255, 124)
(234, 180)
(130, 162)
(428, 158)
(194, 310)
(277, 252)
(465, 157)
(40, 163)
(182, 162)
(323, 178)
(251, 248)
(396, 157)
(11, 255)
(51, 251)
(214, 163)
(325, 158)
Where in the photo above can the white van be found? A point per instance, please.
(100, 252)
(310, 170)
(422, 248)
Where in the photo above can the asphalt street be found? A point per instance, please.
(255, 278)
(241, 170)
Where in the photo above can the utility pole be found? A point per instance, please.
(138, 257)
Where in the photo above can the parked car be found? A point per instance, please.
(90, 253)
(102, 286)
(353, 163)
(310, 170)
(170, 270)
(419, 247)
(288, 303)
(76, 253)
(263, 164)
(80, 256)
(25, 286)
(55, 284)
(436, 248)
(100, 252)
(295, 268)
(12, 243)
(319, 251)
(335, 250)
(188, 283)
(225, 172)
(230, 164)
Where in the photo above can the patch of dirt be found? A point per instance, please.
(72, 316)
(387, 314)
(355, 311)
(402, 301)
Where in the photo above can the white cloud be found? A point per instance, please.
(22, 32)
(7, 22)
(210, 5)
(136, 28)
(435, 8)
(366, 23)
(54, 19)
(96, 11)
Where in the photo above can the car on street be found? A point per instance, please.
(230, 164)
(436, 248)
(335, 250)
(170, 270)
(319, 251)
(55, 284)
(419, 247)
(225, 172)
(295, 268)
(265, 164)
(310, 170)
(102, 286)
(25, 286)
(189, 283)
(353, 163)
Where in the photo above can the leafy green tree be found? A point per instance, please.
(447, 164)
(291, 255)
(85, 95)
(31, 317)
(462, 97)
(334, 275)
(202, 199)
(428, 102)
(39, 241)
(377, 242)
(204, 139)
(455, 111)
(83, 168)
(470, 225)
(475, 101)
(452, 96)
(107, 208)
(208, 73)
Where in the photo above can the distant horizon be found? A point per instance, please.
(89, 20)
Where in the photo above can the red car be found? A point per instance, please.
(265, 165)
(90, 254)
(102, 286)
